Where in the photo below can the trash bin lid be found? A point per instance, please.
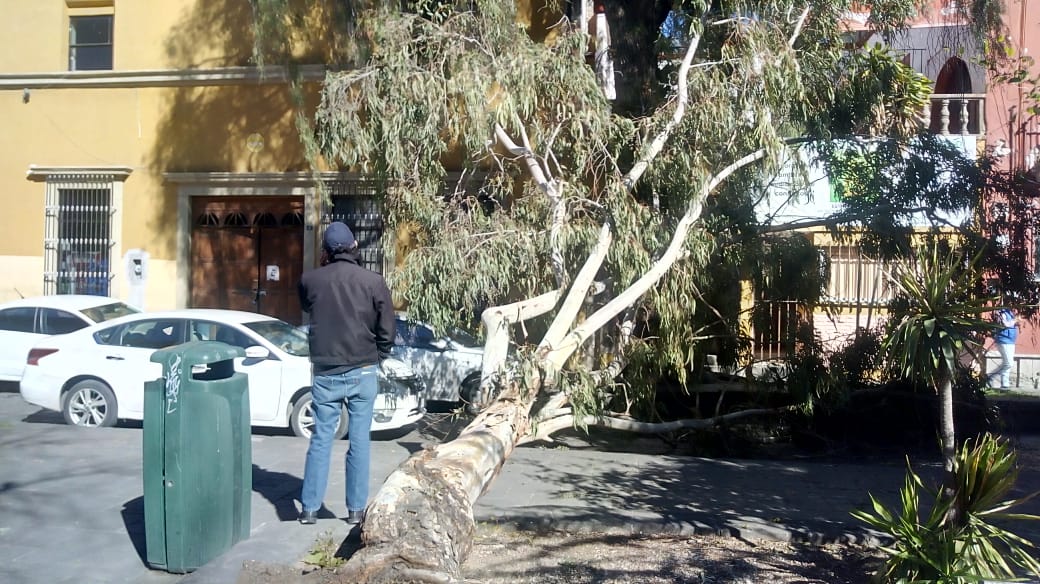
(197, 353)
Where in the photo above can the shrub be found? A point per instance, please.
(858, 361)
(957, 542)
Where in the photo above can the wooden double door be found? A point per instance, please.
(247, 254)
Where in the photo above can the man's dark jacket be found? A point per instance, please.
(351, 314)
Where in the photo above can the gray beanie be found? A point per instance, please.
(338, 237)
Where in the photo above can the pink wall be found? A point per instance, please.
(1006, 117)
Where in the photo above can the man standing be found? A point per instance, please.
(1005, 337)
(351, 332)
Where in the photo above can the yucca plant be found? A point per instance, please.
(971, 548)
(940, 318)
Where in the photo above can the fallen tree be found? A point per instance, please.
(610, 265)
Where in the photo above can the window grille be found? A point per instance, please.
(355, 202)
(856, 280)
(78, 239)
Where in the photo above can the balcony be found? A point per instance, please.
(956, 114)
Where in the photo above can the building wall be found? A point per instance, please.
(1013, 129)
(1006, 105)
(153, 113)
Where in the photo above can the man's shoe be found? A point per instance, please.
(309, 517)
(355, 517)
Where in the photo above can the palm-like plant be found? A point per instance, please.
(942, 320)
(930, 548)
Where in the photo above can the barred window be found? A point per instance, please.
(84, 215)
(356, 203)
(81, 228)
(856, 280)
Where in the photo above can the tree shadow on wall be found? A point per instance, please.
(225, 125)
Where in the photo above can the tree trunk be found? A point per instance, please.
(949, 448)
(947, 436)
(419, 527)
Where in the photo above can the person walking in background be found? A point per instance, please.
(1005, 338)
(351, 331)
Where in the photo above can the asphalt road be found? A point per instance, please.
(72, 502)
(72, 506)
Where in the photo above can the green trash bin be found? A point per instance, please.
(197, 456)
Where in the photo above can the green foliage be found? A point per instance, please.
(789, 267)
(416, 91)
(875, 94)
(810, 381)
(858, 361)
(323, 554)
(939, 315)
(932, 549)
(889, 185)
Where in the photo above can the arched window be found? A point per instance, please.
(265, 220)
(292, 219)
(950, 114)
(235, 219)
(207, 220)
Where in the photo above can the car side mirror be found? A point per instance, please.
(257, 352)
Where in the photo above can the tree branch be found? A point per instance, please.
(682, 97)
(549, 186)
(579, 290)
(672, 253)
(497, 320)
(543, 430)
(798, 27)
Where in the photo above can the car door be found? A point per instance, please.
(122, 358)
(17, 335)
(417, 345)
(265, 375)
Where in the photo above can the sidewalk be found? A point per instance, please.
(578, 490)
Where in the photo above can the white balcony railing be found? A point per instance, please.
(961, 114)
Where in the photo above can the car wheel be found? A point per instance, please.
(469, 391)
(90, 404)
(302, 419)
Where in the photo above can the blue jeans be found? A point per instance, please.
(1007, 363)
(358, 388)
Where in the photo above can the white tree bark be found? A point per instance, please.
(563, 350)
(419, 526)
(543, 430)
(579, 290)
(497, 321)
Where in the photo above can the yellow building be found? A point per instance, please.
(145, 158)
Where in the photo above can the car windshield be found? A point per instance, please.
(282, 335)
(108, 311)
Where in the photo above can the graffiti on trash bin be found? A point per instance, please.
(173, 385)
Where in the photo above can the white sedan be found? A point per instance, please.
(96, 375)
(25, 322)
